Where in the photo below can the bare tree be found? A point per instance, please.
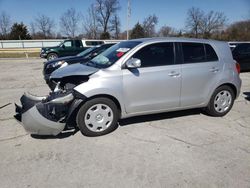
(44, 25)
(212, 22)
(5, 25)
(166, 31)
(194, 21)
(90, 23)
(106, 9)
(69, 22)
(239, 31)
(149, 24)
(115, 25)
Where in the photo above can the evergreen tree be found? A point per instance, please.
(137, 32)
(105, 35)
(19, 31)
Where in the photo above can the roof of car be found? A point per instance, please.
(176, 39)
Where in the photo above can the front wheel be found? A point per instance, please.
(221, 101)
(52, 56)
(97, 117)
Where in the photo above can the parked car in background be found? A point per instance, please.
(132, 78)
(71, 47)
(66, 48)
(241, 54)
(82, 57)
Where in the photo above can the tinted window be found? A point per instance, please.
(156, 55)
(68, 44)
(94, 43)
(210, 53)
(193, 52)
(243, 48)
(78, 44)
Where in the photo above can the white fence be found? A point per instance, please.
(8, 44)
(29, 43)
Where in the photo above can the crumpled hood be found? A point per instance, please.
(73, 70)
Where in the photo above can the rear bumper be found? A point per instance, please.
(43, 118)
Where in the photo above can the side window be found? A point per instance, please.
(210, 53)
(159, 54)
(78, 44)
(244, 49)
(193, 52)
(68, 44)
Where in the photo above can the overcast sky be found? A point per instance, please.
(170, 12)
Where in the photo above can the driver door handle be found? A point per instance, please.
(214, 69)
(174, 74)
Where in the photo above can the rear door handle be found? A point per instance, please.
(174, 74)
(214, 69)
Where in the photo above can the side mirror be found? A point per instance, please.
(133, 63)
(63, 46)
(93, 55)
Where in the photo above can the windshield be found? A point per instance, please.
(112, 54)
(85, 52)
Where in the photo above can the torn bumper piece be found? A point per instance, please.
(43, 116)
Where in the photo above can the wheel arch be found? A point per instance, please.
(114, 99)
(232, 86)
(71, 119)
(53, 52)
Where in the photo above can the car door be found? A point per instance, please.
(67, 49)
(78, 47)
(200, 73)
(155, 86)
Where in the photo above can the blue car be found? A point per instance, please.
(83, 57)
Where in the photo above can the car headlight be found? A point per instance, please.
(64, 64)
(57, 64)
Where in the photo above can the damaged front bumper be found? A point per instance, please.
(44, 115)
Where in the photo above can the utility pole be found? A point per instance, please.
(128, 18)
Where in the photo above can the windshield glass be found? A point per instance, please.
(112, 54)
(85, 52)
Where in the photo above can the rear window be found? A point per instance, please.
(94, 43)
(193, 52)
(210, 53)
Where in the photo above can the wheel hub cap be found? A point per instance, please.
(98, 117)
(222, 101)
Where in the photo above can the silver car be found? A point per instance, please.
(135, 77)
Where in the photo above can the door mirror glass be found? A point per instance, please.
(133, 63)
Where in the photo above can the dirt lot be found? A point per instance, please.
(183, 149)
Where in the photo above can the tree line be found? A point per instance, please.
(101, 21)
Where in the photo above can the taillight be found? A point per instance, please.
(237, 65)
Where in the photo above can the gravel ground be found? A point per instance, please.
(177, 149)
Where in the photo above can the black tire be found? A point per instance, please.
(51, 56)
(80, 118)
(211, 109)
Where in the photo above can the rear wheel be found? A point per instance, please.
(52, 56)
(97, 117)
(221, 101)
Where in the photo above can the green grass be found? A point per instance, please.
(18, 55)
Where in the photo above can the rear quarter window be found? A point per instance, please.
(210, 53)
